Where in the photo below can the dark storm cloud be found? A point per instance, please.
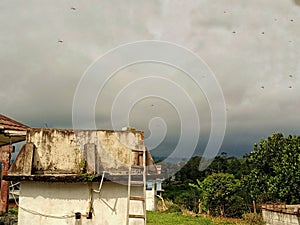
(252, 47)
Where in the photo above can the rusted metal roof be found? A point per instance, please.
(11, 131)
(10, 124)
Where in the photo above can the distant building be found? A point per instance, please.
(154, 190)
(81, 177)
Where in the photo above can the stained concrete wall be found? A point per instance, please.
(47, 203)
(65, 150)
(61, 151)
(151, 199)
(277, 218)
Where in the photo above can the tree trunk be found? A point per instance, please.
(222, 210)
(254, 206)
(199, 206)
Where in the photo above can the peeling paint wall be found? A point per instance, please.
(5, 154)
(59, 153)
(47, 203)
(277, 218)
(68, 151)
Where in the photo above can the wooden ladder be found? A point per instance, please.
(140, 180)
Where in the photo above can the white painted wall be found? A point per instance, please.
(59, 199)
(151, 200)
(276, 218)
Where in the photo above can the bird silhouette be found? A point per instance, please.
(60, 41)
(73, 8)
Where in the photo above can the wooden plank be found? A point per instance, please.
(136, 216)
(137, 198)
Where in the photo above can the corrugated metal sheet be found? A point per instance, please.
(10, 124)
(11, 131)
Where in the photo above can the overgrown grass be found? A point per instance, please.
(13, 211)
(163, 218)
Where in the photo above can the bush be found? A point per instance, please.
(13, 211)
(253, 219)
(174, 208)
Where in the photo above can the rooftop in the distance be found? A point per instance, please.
(11, 131)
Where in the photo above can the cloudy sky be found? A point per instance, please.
(251, 47)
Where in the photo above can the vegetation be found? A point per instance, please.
(275, 170)
(217, 192)
(235, 187)
(160, 218)
(13, 211)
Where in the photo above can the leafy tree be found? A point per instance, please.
(199, 192)
(218, 165)
(275, 170)
(190, 172)
(217, 192)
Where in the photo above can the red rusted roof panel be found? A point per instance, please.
(10, 124)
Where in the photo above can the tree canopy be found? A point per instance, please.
(275, 169)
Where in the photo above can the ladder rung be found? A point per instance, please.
(137, 183)
(137, 198)
(137, 167)
(136, 216)
(137, 150)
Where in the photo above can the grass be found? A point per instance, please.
(162, 218)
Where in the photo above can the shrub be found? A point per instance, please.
(253, 219)
(174, 208)
(13, 211)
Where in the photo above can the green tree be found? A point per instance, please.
(218, 165)
(217, 192)
(275, 170)
(199, 192)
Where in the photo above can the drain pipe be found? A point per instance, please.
(101, 183)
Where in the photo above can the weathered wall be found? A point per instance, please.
(277, 218)
(5, 154)
(59, 199)
(66, 151)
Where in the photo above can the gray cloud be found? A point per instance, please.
(251, 46)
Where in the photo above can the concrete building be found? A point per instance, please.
(11, 132)
(81, 177)
(154, 190)
(281, 214)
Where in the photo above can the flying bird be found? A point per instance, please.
(60, 41)
(73, 8)
(290, 86)
(291, 76)
(262, 87)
